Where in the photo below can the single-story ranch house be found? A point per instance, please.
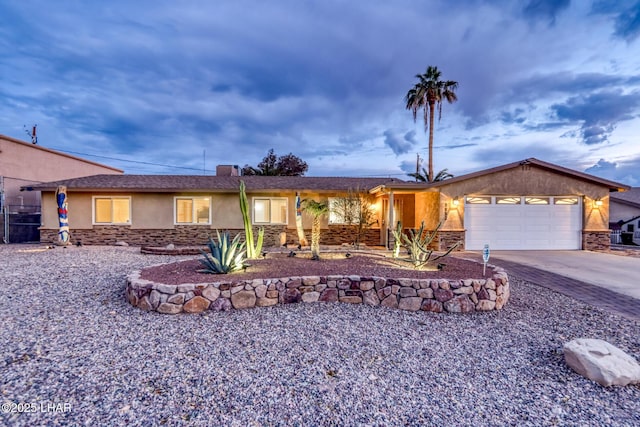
(528, 204)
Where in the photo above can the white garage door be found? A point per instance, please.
(523, 222)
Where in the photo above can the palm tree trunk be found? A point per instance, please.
(432, 114)
(302, 240)
(315, 237)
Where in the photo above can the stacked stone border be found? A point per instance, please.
(434, 295)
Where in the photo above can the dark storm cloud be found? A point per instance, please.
(540, 86)
(625, 15)
(627, 25)
(626, 172)
(599, 113)
(545, 10)
(320, 79)
(508, 117)
(399, 145)
(453, 147)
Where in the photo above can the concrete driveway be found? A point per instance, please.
(618, 273)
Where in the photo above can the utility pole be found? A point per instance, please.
(32, 134)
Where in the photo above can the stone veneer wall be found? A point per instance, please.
(191, 235)
(450, 238)
(339, 234)
(596, 240)
(436, 295)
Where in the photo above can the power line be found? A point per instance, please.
(130, 161)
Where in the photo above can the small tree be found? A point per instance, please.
(272, 165)
(318, 210)
(424, 176)
(355, 209)
(302, 239)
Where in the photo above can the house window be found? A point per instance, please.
(508, 200)
(483, 200)
(269, 210)
(630, 228)
(565, 200)
(112, 210)
(343, 210)
(192, 210)
(536, 200)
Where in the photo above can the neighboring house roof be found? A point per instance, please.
(631, 197)
(199, 183)
(613, 186)
(621, 223)
(59, 153)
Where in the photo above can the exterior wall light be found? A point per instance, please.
(598, 203)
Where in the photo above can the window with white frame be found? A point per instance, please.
(565, 200)
(344, 210)
(111, 210)
(478, 200)
(192, 210)
(270, 210)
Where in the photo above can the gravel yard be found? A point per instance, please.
(74, 351)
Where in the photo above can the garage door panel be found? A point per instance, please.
(541, 228)
(523, 226)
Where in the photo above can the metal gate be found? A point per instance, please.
(21, 223)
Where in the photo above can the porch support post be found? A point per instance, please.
(391, 222)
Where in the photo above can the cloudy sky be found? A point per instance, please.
(178, 87)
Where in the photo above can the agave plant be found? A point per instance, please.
(226, 255)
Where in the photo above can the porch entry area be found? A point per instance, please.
(390, 219)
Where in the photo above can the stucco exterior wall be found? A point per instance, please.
(427, 209)
(153, 211)
(24, 163)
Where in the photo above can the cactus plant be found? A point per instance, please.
(226, 255)
(253, 252)
(397, 239)
(417, 243)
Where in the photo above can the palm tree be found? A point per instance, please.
(428, 94)
(317, 210)
(424, 176)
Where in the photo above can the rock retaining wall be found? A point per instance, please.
(436, 295)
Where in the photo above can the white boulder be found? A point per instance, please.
(601, 362)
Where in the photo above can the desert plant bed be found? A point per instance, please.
(459, 287)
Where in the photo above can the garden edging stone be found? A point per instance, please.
(435, 295)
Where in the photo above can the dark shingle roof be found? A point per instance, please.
(631, 197)
(172, 183)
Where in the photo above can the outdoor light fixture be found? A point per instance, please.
(455, 202)
(598, 203)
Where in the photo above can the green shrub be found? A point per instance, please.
(226, 255)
